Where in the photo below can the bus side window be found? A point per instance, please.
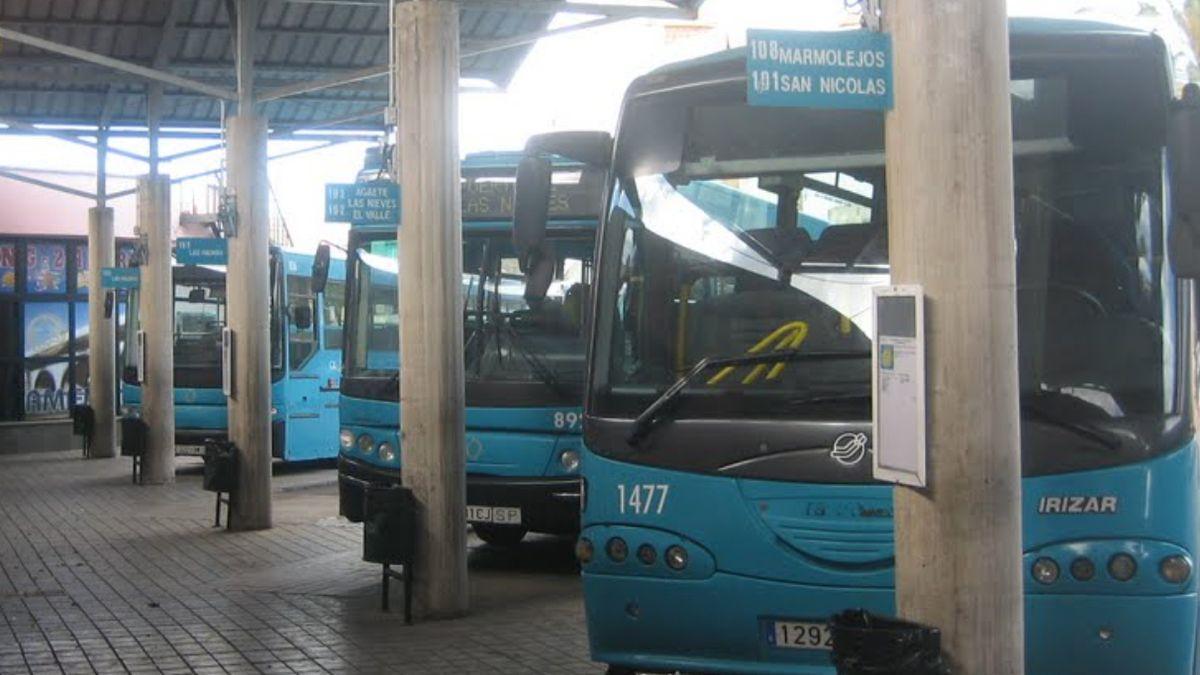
(302, 339)
(334, 308)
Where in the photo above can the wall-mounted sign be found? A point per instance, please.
(120, 277)
(374, 203)
(898, 383)
(803, 69)
(201, 251)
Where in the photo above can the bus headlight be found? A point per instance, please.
(1083, 569)
(617, 549)
(1045, 570)
(569, 461)
(647, 554)
(346, 438)
(387, 452)
(1175, 569)
(584, 550)
(366, 444)
(676, 557)
(1122, 567)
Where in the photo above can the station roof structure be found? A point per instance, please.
(318, 63)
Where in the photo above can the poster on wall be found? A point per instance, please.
(47, 330)
(8, 267)
(46, 268)
(125, 254)
(47, 388)
(81, 267)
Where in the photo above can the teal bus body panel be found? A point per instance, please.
(511, 442)
(305, 399)
(767, 550)
(310, 405)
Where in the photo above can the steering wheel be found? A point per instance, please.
(1087, 297)
(523, 318)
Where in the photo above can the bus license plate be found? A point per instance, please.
(803, 635)
(498, 515)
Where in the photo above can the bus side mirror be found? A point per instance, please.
(320, 269)
(531, 205)
(1183, 162)
(109, 299)
(302, 317)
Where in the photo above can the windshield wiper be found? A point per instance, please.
(658, 410)
(1033, 404)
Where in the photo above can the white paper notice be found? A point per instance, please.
(899, 379)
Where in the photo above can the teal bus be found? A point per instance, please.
(306, 357)
(730, 508)
(524, 361)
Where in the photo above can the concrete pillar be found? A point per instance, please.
(101, 335)
(950, 208)
(157, 315)
(431, 333)
(249, 305)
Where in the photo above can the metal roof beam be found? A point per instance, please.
(190, 27)
(662, 10)
(326, 83)
(656, 11)
(69, 138)
(135, 129)
(46, 184)
(115, 64)
(469, 50)
(210, 172)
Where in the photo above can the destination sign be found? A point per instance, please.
(374, 203)
(803, 69)
(573, 194)
(120, 277)
(201, 251)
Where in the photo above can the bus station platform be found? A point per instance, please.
(100, 576)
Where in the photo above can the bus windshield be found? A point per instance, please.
(730, 253)
(199, 317)
(506, 339)
(200, 314)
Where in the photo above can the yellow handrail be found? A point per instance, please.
(788, 336)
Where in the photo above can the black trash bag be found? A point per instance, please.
(864, 644)
(389, 525)
(220, 466)
(83, 421)
(133, 437)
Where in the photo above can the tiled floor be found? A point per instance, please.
(100, 576)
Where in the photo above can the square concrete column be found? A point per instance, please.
(102, 383)
(431, 331)
(156, 308)
(248, 305)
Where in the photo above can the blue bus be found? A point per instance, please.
(524, 361)
(730, 511)
(306, 357)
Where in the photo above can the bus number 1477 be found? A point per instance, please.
(642, 499)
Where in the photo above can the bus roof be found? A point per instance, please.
(1029, 37)
(488, 179)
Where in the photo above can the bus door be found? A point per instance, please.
(306, 436)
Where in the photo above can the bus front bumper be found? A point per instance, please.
(548, 504)
(719, 625)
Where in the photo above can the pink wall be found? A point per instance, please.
(32, 210)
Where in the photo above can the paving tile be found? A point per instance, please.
(100, 576)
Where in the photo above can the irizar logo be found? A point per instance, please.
(1077, 504)
(474, 448)
(849, 449)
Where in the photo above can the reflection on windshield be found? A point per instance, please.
(199, 317)
(506, 337)
(722, 266)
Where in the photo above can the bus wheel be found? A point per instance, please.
(500, 535)
(619, 670)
